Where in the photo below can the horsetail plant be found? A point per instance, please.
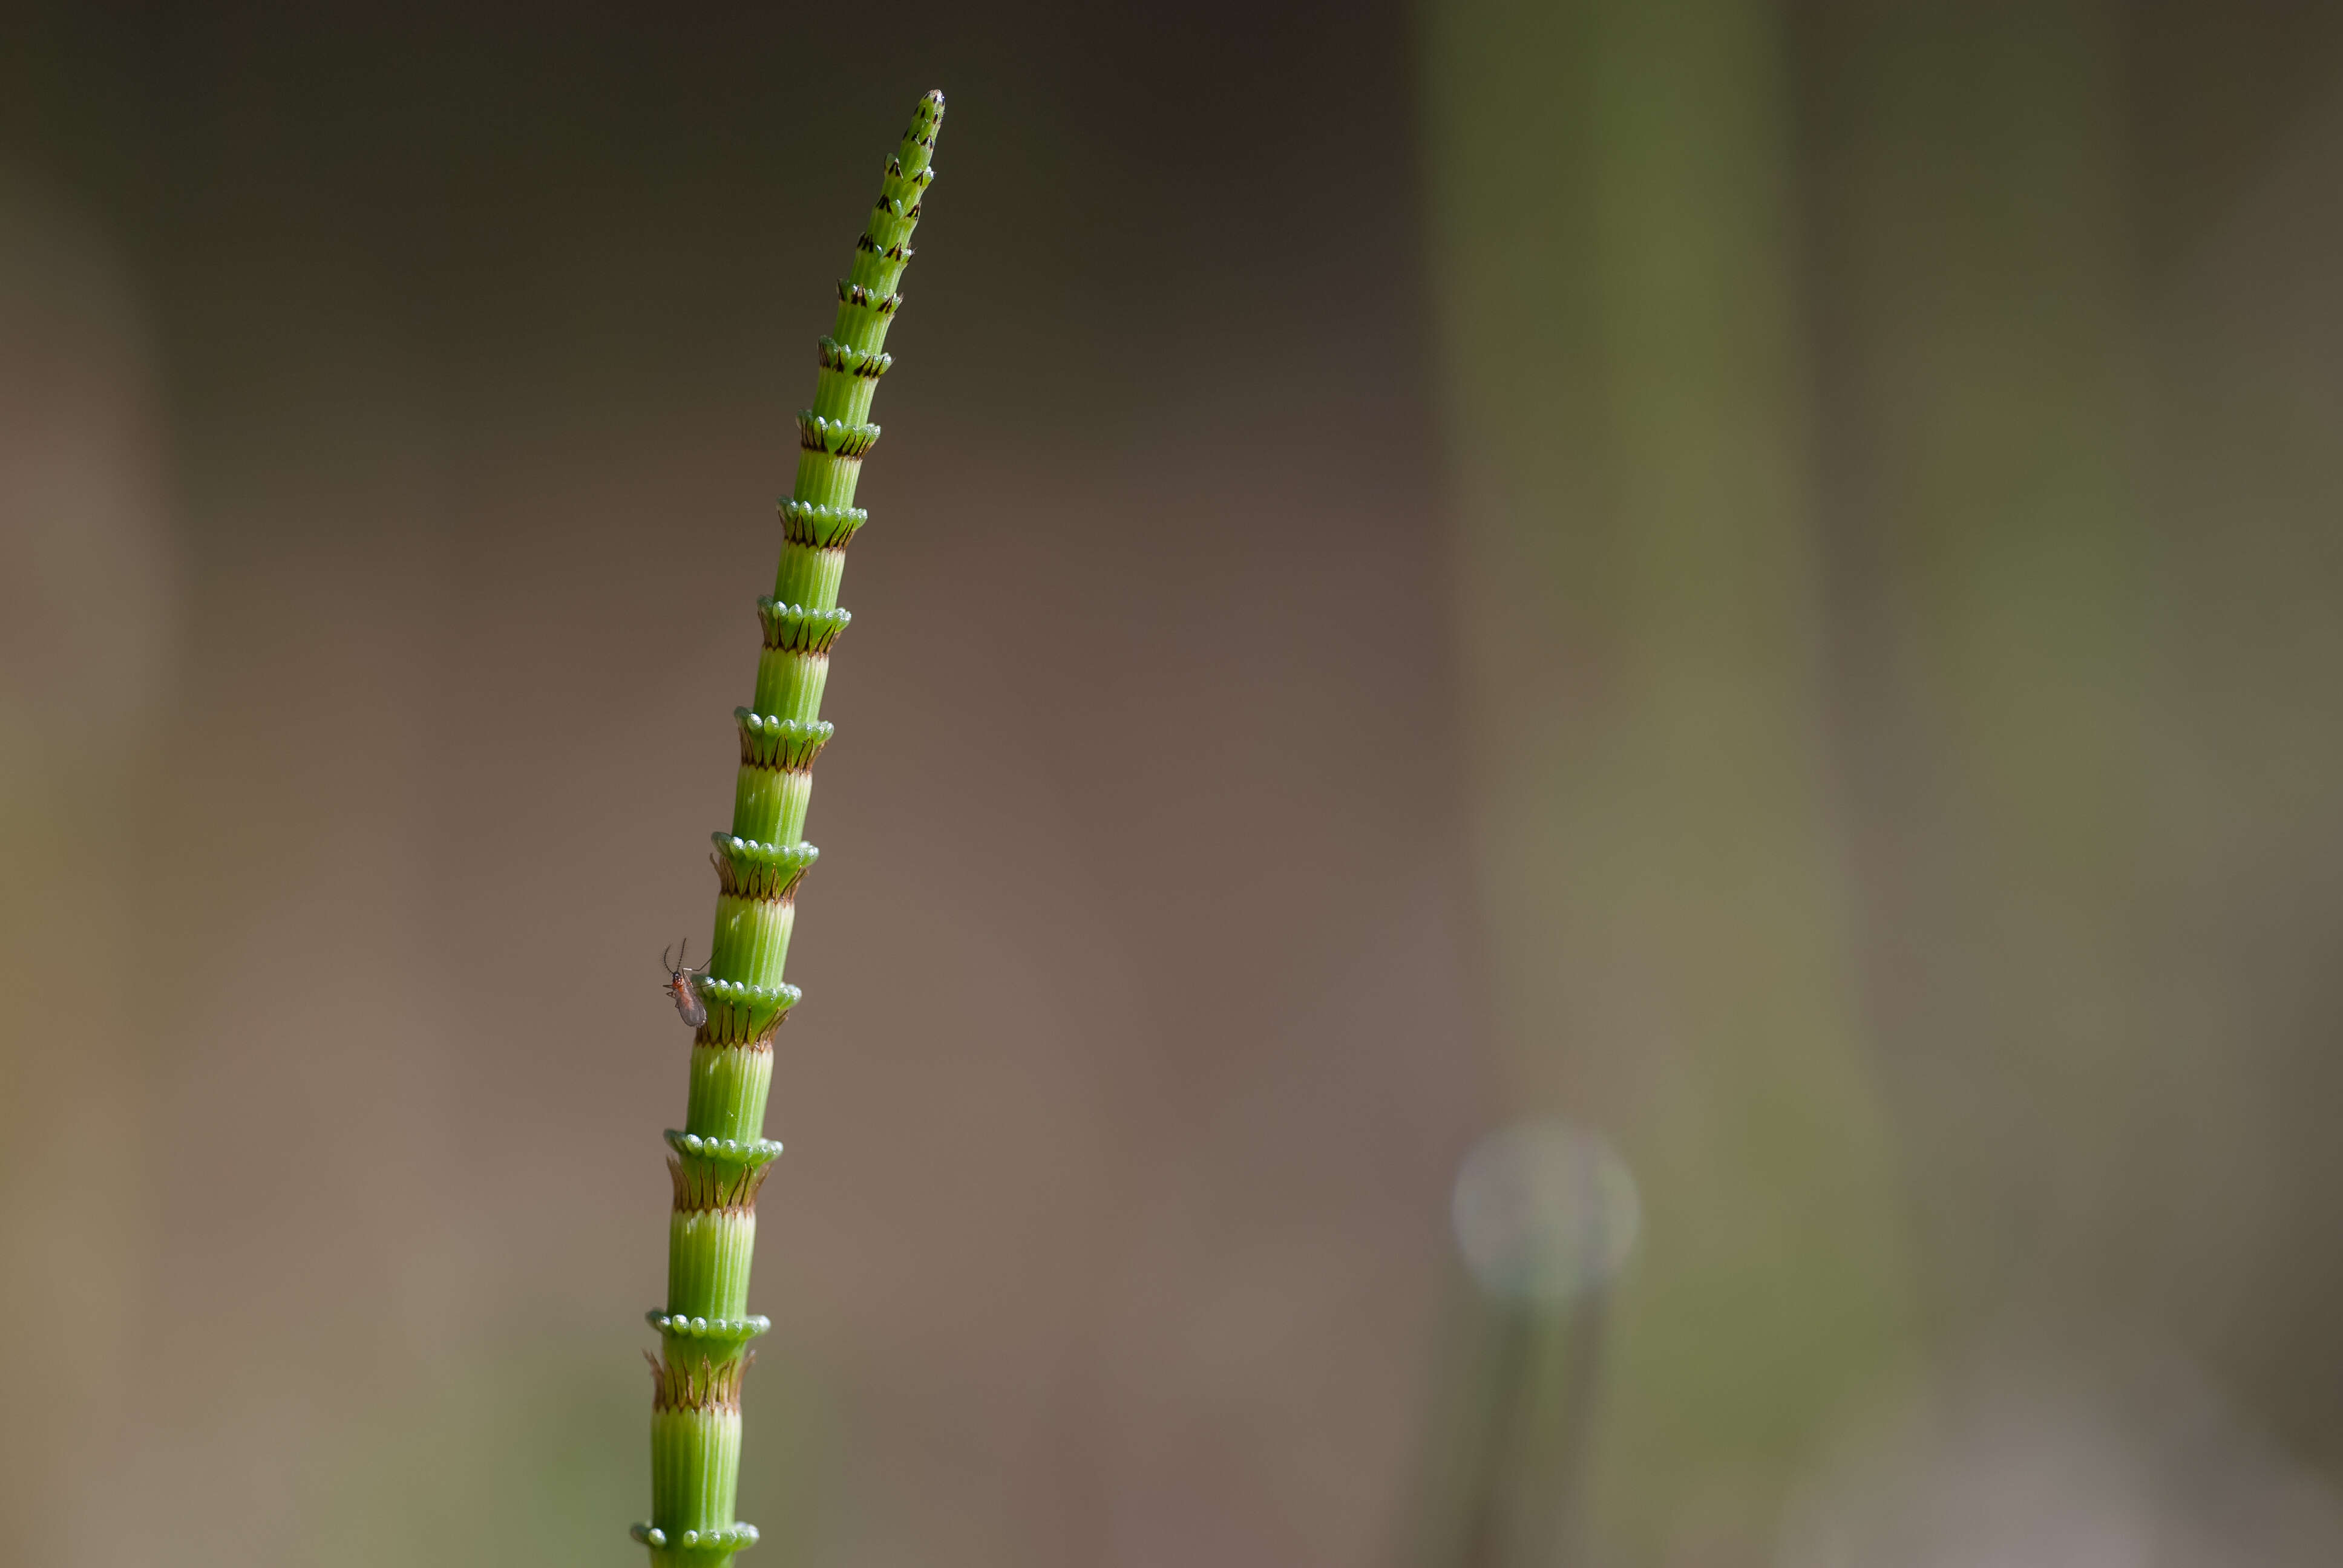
(720, 1157)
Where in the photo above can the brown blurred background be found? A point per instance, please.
(1759, 577)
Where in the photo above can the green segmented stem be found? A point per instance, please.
(720, 1157)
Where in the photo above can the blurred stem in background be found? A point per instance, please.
(1975, 301)
(1510, 1486)
(1638, 573)
(1545, 1216)
(88, 630)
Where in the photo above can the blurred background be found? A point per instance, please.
(1747, 590)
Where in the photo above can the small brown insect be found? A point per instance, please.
(683, 987)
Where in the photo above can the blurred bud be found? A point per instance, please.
(1543, 1211)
